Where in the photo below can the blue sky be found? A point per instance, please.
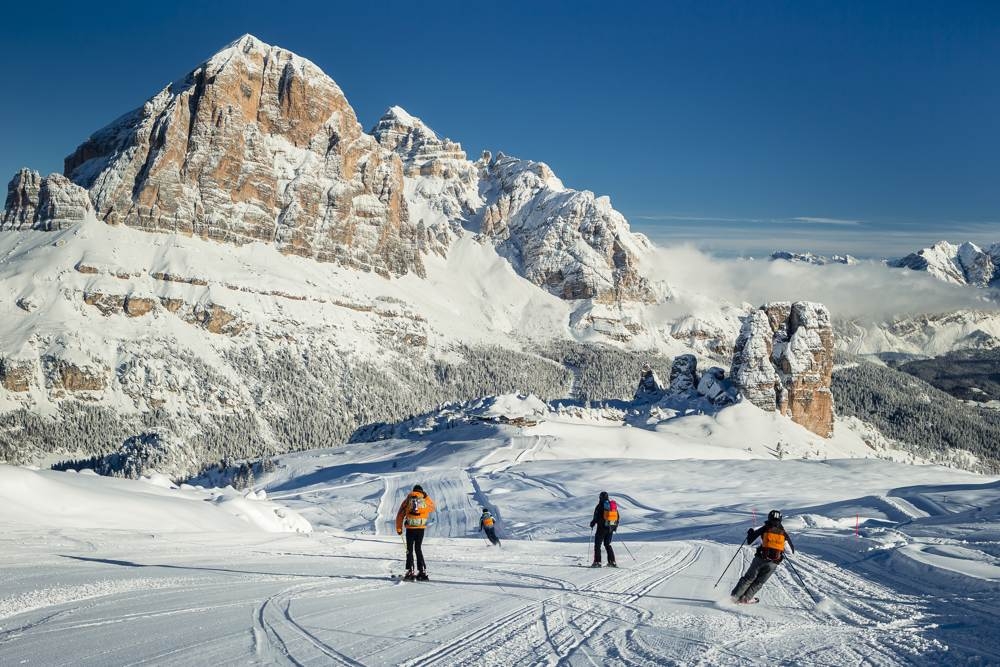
(867, 127)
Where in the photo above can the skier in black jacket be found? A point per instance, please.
(769, 555)
(606, 519)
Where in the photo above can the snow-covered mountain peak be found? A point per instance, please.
(964, 264)
(397, 116)
(257, 145)
(571, 243)
(250, 51)
(510, 173)
(423, 153)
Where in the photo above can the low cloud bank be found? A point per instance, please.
(868, 291)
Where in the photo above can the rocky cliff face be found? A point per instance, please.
(571, 243)
(440, 182)
(256, 144)
(684, 375)
(46, 204)
(965, 264)
(784, 361)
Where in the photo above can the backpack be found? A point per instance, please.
(487, 520)
(417, 505)
(610, 513)
(773, 544)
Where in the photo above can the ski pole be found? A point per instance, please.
(628, 550)
(590, 542)
(801, 581)
(739, 550)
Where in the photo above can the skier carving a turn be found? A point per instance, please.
(769, 555)
(487, 525)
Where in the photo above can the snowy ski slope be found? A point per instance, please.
(918, 584)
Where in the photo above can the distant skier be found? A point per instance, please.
(413, 513)
(769, 555)
(486, 524)
(606, 519)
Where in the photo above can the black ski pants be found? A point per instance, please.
(603, 536)
(414, 540)
(757, 574)
(491, 535)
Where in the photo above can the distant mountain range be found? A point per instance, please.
(811, 258)
(963, 264)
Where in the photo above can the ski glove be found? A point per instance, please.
(399, 531)
(749, 535)
(592, 524)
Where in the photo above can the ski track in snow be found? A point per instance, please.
(327, 603)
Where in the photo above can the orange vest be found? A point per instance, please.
(773, 543)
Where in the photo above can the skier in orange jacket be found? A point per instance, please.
(413, 514)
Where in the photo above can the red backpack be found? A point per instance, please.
(610, 513)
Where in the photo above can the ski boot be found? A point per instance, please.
(408, 576)
(596, 563)
(422, 576)
(612, 564)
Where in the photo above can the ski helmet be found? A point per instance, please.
(417, 487)
(774, 515)
(604, 495)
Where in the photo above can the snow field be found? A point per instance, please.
(918, 585)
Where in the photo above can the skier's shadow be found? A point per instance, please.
(128, 563)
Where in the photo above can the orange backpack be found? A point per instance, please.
(417, 510)
(773, 543)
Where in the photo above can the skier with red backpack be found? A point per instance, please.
(769, 555)
(606, 518)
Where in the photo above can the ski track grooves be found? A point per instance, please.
(564, 621)
(275, 615)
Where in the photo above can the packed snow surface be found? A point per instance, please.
(896, 564)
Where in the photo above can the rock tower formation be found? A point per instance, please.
(784, 361)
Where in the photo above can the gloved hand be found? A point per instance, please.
(592, 524)
(399, 531)
(749, 535)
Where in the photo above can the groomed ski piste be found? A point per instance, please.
(898, 564)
